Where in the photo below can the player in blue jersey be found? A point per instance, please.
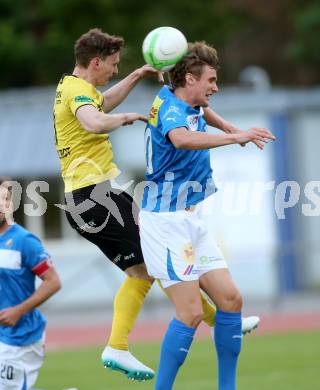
(22, 258)
(175, 239)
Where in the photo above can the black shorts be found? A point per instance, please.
(108, 218)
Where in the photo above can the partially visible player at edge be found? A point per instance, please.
(175, 237)
(22, 326)
(100, 213)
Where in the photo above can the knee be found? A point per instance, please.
(191, 317)
(197, 318)
(238, 302)
(232, 302)
(139, 271)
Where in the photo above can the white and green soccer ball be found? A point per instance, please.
(163, 47)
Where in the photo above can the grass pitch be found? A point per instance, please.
(273, 362)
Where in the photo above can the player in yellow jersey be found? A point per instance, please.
(103, 215)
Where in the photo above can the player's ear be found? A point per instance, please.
(95, 62)
(190, 79)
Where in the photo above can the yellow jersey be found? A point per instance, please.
(86, 158)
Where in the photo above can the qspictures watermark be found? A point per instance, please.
(236, 198)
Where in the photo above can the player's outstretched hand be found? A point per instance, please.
(131, 117)
(10, 316)
(147, 71)
(257, 135)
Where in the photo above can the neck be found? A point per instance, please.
(3, 226)
(184, 94)
(85, 74)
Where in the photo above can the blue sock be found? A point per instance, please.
(174, 350)
(228, 340)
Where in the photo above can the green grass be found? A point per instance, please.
(275, 362)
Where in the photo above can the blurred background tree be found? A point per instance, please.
(37, 36)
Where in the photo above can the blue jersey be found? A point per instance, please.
(176, 179)
(22, 257)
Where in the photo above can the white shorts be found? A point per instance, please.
(177, 246)
(19, 366)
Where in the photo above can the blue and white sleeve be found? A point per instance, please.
(172, 117)
(35, 257)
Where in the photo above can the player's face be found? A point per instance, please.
(205, 87)
(5, 204)
(107, 68)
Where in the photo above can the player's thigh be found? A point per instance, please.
(167, 247)
(185, 295)
(19, 366)
(215, 278)
(11, 370)
(187, 300)
(221, 288)
(124, 237)
(207, 253)
(12, 375)
(113, 228)
(32, 360)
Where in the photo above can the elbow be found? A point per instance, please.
(93, 123)
(180, 138)
(59, 285)
(56, 284)
(93, 128)
(180, 143)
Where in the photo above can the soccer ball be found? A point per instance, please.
(163, 47)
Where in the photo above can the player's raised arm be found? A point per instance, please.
(215, 120)
(116, 94)
(98, 122)
(181, 138)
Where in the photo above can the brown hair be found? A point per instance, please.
(199, 54)
(96, 43)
